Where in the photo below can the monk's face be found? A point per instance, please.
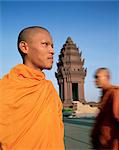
(101, 79)
(40, 51)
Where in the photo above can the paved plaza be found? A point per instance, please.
(77, 134)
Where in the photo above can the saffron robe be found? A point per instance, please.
(105, 134)
(30, 112)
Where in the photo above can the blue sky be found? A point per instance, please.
(92, 25)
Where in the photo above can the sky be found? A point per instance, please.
(92, 25)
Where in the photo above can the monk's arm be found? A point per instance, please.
(116, 104)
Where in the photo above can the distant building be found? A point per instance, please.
(71, 78)
(71, 74)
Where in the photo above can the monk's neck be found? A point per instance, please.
(105, 88)
(32, 66)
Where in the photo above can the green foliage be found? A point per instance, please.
(67, 110)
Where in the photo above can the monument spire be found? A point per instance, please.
(71, 74)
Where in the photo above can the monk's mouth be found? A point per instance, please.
(50, 59)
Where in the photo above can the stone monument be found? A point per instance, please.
(71, 74)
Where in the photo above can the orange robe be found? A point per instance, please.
(30, 112)
(105, 134)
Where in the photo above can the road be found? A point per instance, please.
(77, 134)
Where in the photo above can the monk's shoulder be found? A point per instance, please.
(116, 103)
(114, 89)
(116, 92)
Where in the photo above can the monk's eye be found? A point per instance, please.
(45, 43)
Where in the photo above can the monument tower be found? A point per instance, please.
(70, 74)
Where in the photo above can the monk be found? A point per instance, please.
(30, 108)
(105, 134)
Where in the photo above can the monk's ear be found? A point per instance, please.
(23, 47)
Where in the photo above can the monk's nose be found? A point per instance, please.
(52, 50)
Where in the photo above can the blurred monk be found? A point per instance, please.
(30, 108)
(105, 134)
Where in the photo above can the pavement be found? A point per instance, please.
(77, 133)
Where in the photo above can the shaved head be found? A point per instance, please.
(26, 35)
(102, 78)
(105, 71)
